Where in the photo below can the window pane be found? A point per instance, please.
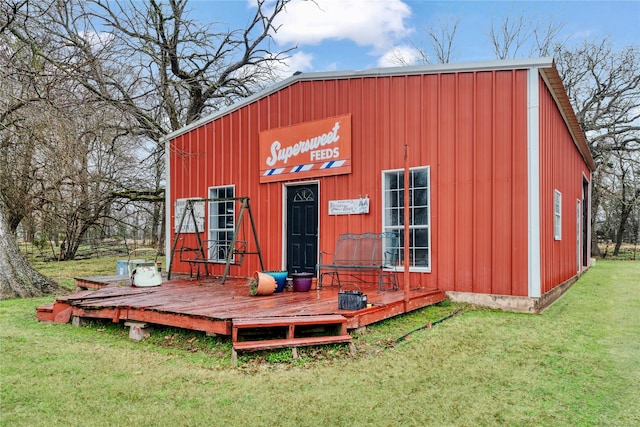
(393, 198)
(421, 238)
(388, 216)
(396, 198)
(421, 258)
(391, 181)
(419, 178)
(393, 217)
(420, 197)
(420, 216)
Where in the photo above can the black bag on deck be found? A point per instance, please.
(351, 300)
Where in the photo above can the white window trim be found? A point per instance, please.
(557, 215)
(415, 269)
(209, 228)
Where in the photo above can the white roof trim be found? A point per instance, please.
(375, 72)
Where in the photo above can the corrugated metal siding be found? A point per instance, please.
(470, 128)
(483, 183)
(464, 168)
(561, 168)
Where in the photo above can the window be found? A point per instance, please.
(557, 215)
(222, 222)
(419, 215)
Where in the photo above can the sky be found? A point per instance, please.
(345, 35)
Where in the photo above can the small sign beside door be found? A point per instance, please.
(349, 206)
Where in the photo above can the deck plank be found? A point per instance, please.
(209, 305)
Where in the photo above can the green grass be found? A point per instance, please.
(64, 272)
(577, 364)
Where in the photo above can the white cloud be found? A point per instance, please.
(332, 66)
(299, 61)
(399, 56)
(367, 23)
(100, 39)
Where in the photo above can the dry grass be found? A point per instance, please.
(628, 252)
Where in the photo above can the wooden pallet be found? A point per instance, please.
(264, 333)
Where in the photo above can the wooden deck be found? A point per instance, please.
(209, 306)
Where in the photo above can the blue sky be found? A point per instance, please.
(360, 34)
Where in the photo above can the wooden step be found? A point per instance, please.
(265, 333)
(250, 322)
(57, 312)
(287, 327)
(291, 342)
(44, 313)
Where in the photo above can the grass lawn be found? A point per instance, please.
(576, 364)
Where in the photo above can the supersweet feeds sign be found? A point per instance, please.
(306, 150)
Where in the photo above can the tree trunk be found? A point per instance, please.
(625, 213)
(156, 215)
(619, 233)
(595, 205)
(161, 237)
(17, 277)
(595, 248)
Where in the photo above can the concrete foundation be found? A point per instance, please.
(77, 321)
(138, 330)
(512, 303)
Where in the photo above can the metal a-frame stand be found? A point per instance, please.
(231, 252)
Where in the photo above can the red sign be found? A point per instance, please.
(306, 150)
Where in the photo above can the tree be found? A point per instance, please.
(17, 277)
(514, 34)
(61, 161)
(158, 66)
(92, 153)
(629, 195)
(147, 64)
(441, 39)
(19, 91)
(604, 88)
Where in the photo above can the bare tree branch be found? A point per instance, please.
(442, 39)
(513, 35)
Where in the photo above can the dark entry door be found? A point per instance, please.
(302, 228)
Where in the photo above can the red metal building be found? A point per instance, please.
(500, 175)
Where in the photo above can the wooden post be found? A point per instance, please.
(407, 218)
(175, 243)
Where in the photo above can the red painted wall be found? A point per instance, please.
(470, 128)
(561, 168)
